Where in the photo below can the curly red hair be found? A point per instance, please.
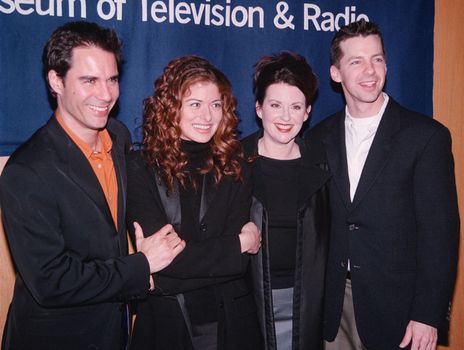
(161, 144)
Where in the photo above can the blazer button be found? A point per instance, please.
(203, 227)
(353, 227)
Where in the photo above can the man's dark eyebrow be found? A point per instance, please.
(87, 77)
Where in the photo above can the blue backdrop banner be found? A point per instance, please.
(232, 34)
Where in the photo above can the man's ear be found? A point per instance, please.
(335, 74)
(55, 81)
(259, 111)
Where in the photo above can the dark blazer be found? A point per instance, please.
(400, 232)
(72, 270)
(213, 260)
(313, 222)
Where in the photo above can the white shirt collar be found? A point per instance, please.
(371, 123)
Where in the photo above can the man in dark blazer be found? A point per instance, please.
(63, 201)
(395, 224)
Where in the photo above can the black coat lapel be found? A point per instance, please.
(209, 189)
(170, 201)
(378, 153)
(79, 168)
(336, 156)
(313, 171)
(119, 162)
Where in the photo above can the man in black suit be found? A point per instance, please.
(63, 201)
(395, 222)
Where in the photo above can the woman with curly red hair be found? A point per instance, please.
(190, 173)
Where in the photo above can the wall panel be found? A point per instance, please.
(7, 274)
(449, 109)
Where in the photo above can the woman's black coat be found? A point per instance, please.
(311, 255)
(214, 259)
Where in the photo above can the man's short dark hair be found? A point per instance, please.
(57, 53)
(360, 28)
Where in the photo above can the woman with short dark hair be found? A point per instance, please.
(290, 181)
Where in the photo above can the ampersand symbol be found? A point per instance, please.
(280, 20)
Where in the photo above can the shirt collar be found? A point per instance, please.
(104, 136)
(368, 122)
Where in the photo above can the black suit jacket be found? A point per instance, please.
(400, 232)
(72, 270)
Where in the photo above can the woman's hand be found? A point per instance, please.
(250, 238)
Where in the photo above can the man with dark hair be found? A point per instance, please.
(63, 201)
(395, 222)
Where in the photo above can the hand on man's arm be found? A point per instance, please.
(160, 248)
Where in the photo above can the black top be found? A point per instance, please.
(200, 304)
(280, 185)
(190, 197)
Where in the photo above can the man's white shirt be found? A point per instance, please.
(359, 135)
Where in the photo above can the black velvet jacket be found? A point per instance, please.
(311, 256)
(213, 260)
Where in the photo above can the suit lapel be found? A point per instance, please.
(82, 174)
(118, 155)
(79, 169)
(336, 156)
(378, 153)
(312, 175)
(208, 192)
(169, 201)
